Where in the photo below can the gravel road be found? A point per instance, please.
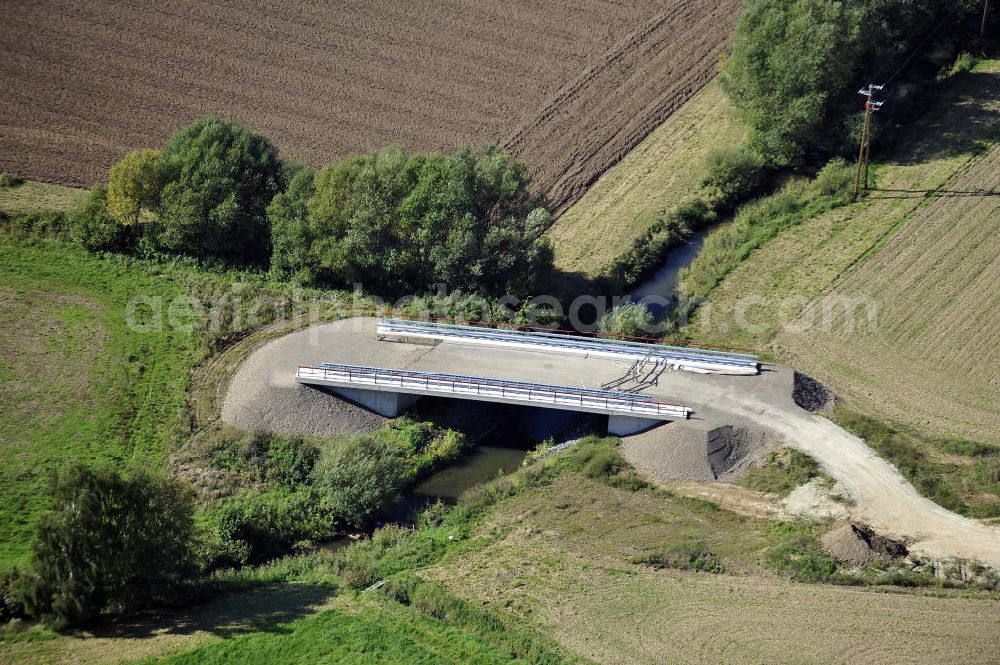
(884, 499)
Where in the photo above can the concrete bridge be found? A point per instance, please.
(390, 392)
(573, 373)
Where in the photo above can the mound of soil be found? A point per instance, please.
(811, 395)
(857, 545)
(681, 451)
(733, 450)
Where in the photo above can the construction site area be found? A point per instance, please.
(276, 389)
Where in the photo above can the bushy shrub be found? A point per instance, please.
(8, 180)
(422, 445)
(689, 555)
(33, 225)
(360, 476)
(447, 446)
(258, 526)
(455, 307)
(11, 606)
(109, 543)
(93, 226)
(835, 179)
(267, 457)
(734, 174)
(965, 62)
(630, 320)
(797, 553)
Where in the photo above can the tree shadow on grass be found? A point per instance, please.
(262, 610)
(969, 121)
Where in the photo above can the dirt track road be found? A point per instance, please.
(885, 500)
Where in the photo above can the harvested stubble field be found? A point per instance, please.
(662, 172)
(558, 559)
(570, 87)
(934, 284)
(922, 246)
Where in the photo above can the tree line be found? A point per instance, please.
(796, 67)
(394, 222)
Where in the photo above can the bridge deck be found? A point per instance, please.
(490, 389)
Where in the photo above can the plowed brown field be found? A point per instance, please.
(568, 85)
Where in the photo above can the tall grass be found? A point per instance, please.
(761, 220)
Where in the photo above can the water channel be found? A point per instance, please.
(663, 283)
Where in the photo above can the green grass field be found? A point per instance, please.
(38, 197)
(77, 382)
(80, 383)
(362, 629)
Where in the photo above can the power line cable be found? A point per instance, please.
(915, 51)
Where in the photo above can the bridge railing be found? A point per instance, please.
(534, 393)
(659, 352)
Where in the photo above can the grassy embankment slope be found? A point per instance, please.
(663, 171)
(562, 563)
(567, 557)
(922, 246)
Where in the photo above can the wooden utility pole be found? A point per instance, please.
(982, 26)
(864, 151)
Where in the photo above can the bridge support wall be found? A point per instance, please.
(383, 402)
(625, 425)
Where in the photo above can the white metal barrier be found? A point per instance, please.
(694, 360)
(597, 401)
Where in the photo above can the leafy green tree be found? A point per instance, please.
(792, 65)
(219, 178)
(399, 223)
(291, 237)
(93, 226)
(134, 185)
(109, 543)
(796, 66)
(360, 476)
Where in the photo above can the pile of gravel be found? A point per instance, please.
(733, 450)
(810, 394)
(679, 451)
(669, 452)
